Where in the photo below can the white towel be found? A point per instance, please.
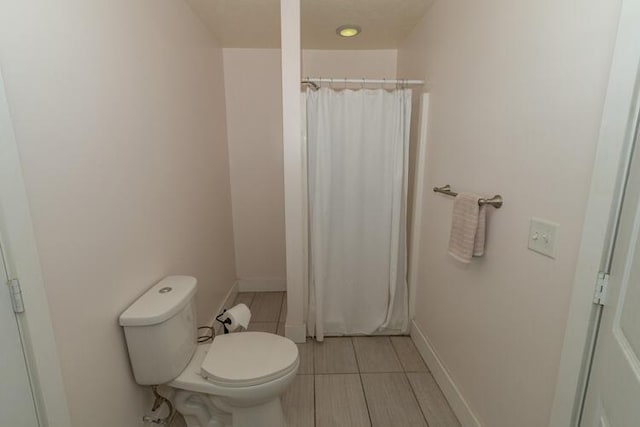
(467, 228)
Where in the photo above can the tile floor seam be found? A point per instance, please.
(313, 352)
(314, 401)
(415, 396)
(364, 394)
(395, 351)
(404, 372)
(355, 353)
(252, 297)
(384, 372)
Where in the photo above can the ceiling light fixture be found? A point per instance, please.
(348, 30)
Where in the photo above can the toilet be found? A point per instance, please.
(234, 381)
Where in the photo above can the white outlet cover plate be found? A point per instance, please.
(543, 236)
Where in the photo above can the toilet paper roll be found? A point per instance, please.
(239, 316)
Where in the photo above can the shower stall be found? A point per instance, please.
(356, 145)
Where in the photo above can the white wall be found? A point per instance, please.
(372, 64)
(254, 121)
(253, 90)
(119, 117)
(517, 91)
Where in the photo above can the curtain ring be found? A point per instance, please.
(345, 83)
(362, 85)
(384, 81)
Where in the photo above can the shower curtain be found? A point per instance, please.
(358, 149)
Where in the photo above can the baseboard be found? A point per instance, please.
(226, 303)
(457, 401)
(296, 333)
(262, 285)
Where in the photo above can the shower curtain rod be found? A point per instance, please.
(315, 81)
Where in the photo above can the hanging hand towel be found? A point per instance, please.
(467, 228)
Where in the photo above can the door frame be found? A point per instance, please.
(20, 247)
(618, 118)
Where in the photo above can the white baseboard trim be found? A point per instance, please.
(226, 303)
(262, 285)
(296, 333)
(457, 401)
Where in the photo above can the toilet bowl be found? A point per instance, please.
(236, 381)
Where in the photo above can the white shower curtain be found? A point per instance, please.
(358, 149)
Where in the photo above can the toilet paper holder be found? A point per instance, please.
(226, 321)
(237, 316)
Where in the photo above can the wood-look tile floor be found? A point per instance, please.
(354, 381)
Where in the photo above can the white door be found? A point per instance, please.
(613, 394)
(17, 408)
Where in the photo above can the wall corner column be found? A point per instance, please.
(295, 327)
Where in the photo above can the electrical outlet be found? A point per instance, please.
(543, 236)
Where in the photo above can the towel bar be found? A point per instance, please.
(496, 201)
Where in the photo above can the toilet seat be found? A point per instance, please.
(248, 358)
(192, 379)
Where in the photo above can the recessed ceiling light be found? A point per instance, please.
(348, 30)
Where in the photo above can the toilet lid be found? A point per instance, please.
(248, 358)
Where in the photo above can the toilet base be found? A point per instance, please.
(200, 410)
(266, 415)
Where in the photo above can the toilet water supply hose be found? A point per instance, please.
(157, 403)
(160, 399)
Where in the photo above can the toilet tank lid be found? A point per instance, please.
(160, 302)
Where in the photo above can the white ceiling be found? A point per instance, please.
(256, 23)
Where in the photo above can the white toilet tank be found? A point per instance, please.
(160, 329)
